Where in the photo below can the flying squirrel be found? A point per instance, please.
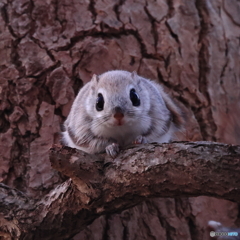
(119, 108)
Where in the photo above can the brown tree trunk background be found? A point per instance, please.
(49, 49)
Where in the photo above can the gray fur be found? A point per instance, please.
(93, 131)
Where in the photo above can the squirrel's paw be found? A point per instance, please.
(140, 140)
(112, 150)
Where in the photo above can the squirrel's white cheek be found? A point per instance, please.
(145, 104)
(89, 106)
(99, 114)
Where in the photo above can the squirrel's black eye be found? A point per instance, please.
(100, 102)
(134, 98)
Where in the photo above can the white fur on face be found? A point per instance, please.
(93, 130)
(133, 124)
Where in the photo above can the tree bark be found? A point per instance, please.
(50, 48)
(101, 185)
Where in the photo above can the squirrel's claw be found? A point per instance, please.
(112, 150)
(140, 140)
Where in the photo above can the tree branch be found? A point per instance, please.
(101, 185)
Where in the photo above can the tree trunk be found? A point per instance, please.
(49, 49)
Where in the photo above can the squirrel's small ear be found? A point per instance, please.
(95, 78)
(135, 77)
(133, 74)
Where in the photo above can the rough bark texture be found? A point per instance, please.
(100, 185)
(49, 49)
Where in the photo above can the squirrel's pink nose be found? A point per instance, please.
(118, 115)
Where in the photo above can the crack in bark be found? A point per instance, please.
(153, 26)
(110, 34)
(4, 13)
(15, 58)
(229, 14)
(192, 227)
(175, 37)
(91, 8)
(207, 126)
(176, 88)
(125, 232)
(116, 9)
(17, 159)
(171, 8)
(221, 79)
(61, 22)
(225, 65)
(106, 228)
(148, 230)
